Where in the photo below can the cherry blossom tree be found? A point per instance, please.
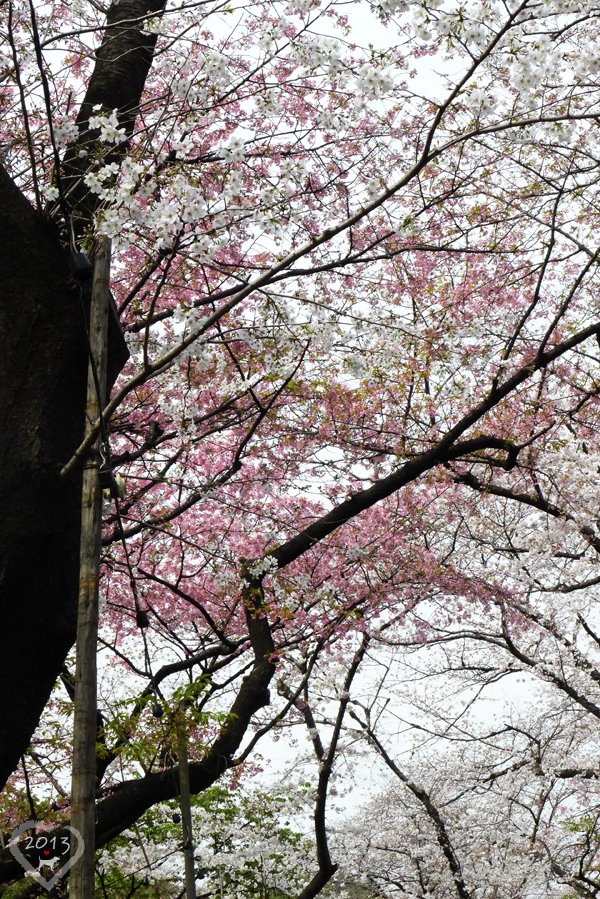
(246, 845)
(362, 389)
(492, 763)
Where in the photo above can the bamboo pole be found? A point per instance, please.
(83, 780)
(184, 801)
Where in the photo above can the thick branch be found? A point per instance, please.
(122, 64)
(134, 797)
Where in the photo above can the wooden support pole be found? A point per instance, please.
(83, 780)
(185, 804)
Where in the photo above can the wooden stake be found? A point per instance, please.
(83, 780)
(184, 801)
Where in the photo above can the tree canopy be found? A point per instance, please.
(358, 424)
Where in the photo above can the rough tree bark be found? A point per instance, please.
(42, 392)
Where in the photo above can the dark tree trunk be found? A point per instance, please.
(43, 367)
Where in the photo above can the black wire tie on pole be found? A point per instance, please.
(81, 267)
(106, 478)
